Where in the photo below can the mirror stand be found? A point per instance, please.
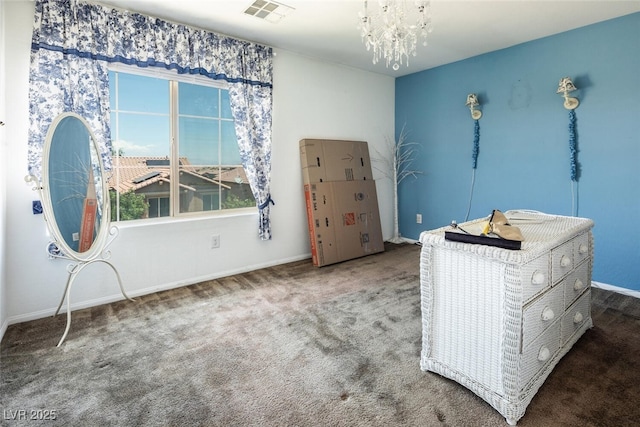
(76, 267)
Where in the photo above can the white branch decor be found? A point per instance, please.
(396, 162)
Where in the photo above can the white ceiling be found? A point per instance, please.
(327, 29)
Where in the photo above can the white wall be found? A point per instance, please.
(312, 99)
(3, 168)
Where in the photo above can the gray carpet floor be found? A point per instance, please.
(292, 345)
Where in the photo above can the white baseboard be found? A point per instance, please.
(617, 289)
(403, 239)
(3, 329)
(140, 292)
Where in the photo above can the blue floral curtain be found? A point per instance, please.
(251, 108)
(73, 43)
(62, 82)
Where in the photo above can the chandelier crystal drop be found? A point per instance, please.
(392, 32)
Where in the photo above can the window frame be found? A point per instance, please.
(173, 78)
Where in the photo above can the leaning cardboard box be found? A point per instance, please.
(326, 160)
(343, 220)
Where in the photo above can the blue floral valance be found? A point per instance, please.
(112, 35)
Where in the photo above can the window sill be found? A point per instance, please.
(138, 223)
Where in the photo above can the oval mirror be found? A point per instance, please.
(75, 197)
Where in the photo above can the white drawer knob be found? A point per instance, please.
(547, 314)
(577, 318)
(544, 354)
(538, 278)
(565, 261)
(577, 285)
(583, 248)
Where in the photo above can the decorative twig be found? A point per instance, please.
(397, 160)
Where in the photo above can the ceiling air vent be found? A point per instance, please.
(268, 10)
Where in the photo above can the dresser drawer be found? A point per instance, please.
(562, 261)
(541, 313)
(576, 283)
(576, 316)
(581, 247)
(538, 354)
(535, 277)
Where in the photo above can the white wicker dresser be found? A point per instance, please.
(496, 320)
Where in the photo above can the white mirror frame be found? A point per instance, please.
(103, 230)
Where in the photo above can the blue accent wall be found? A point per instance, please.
(523, 161)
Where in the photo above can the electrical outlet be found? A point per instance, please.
(215, 241)
(418, 218)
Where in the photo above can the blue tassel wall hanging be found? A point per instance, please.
(564, 87)
(476, 143)
(573, 152)
(472, 102)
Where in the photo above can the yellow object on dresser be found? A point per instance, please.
(498, 321)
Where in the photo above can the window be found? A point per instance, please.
(165, 126)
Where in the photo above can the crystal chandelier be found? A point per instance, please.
(392, 33)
